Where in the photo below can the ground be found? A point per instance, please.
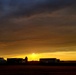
(37, 70)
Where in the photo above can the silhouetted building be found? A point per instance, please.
(2, 61)
(49, 60)
(17, 60)
(14, 60)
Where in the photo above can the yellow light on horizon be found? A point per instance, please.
(33, 55)
(71, 55)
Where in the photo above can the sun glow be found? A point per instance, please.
(71, 55)
(33, 55)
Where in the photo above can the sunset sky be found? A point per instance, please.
(38, 29)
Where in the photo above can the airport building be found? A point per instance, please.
(49, 60)
(17, 60)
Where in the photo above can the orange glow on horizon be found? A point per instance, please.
(59, 55)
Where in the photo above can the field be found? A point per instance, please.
(37, 70)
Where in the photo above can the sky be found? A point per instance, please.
(38, 29)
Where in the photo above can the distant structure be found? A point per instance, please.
(17, 60)
(2, 61)
(14, 60)
(42, 61)
(49, 60)
(26, 59)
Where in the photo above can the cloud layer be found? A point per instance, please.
(37, 26)
(17, 8)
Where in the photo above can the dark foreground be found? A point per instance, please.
(37, 70)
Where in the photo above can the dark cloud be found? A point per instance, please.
(17, 8)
